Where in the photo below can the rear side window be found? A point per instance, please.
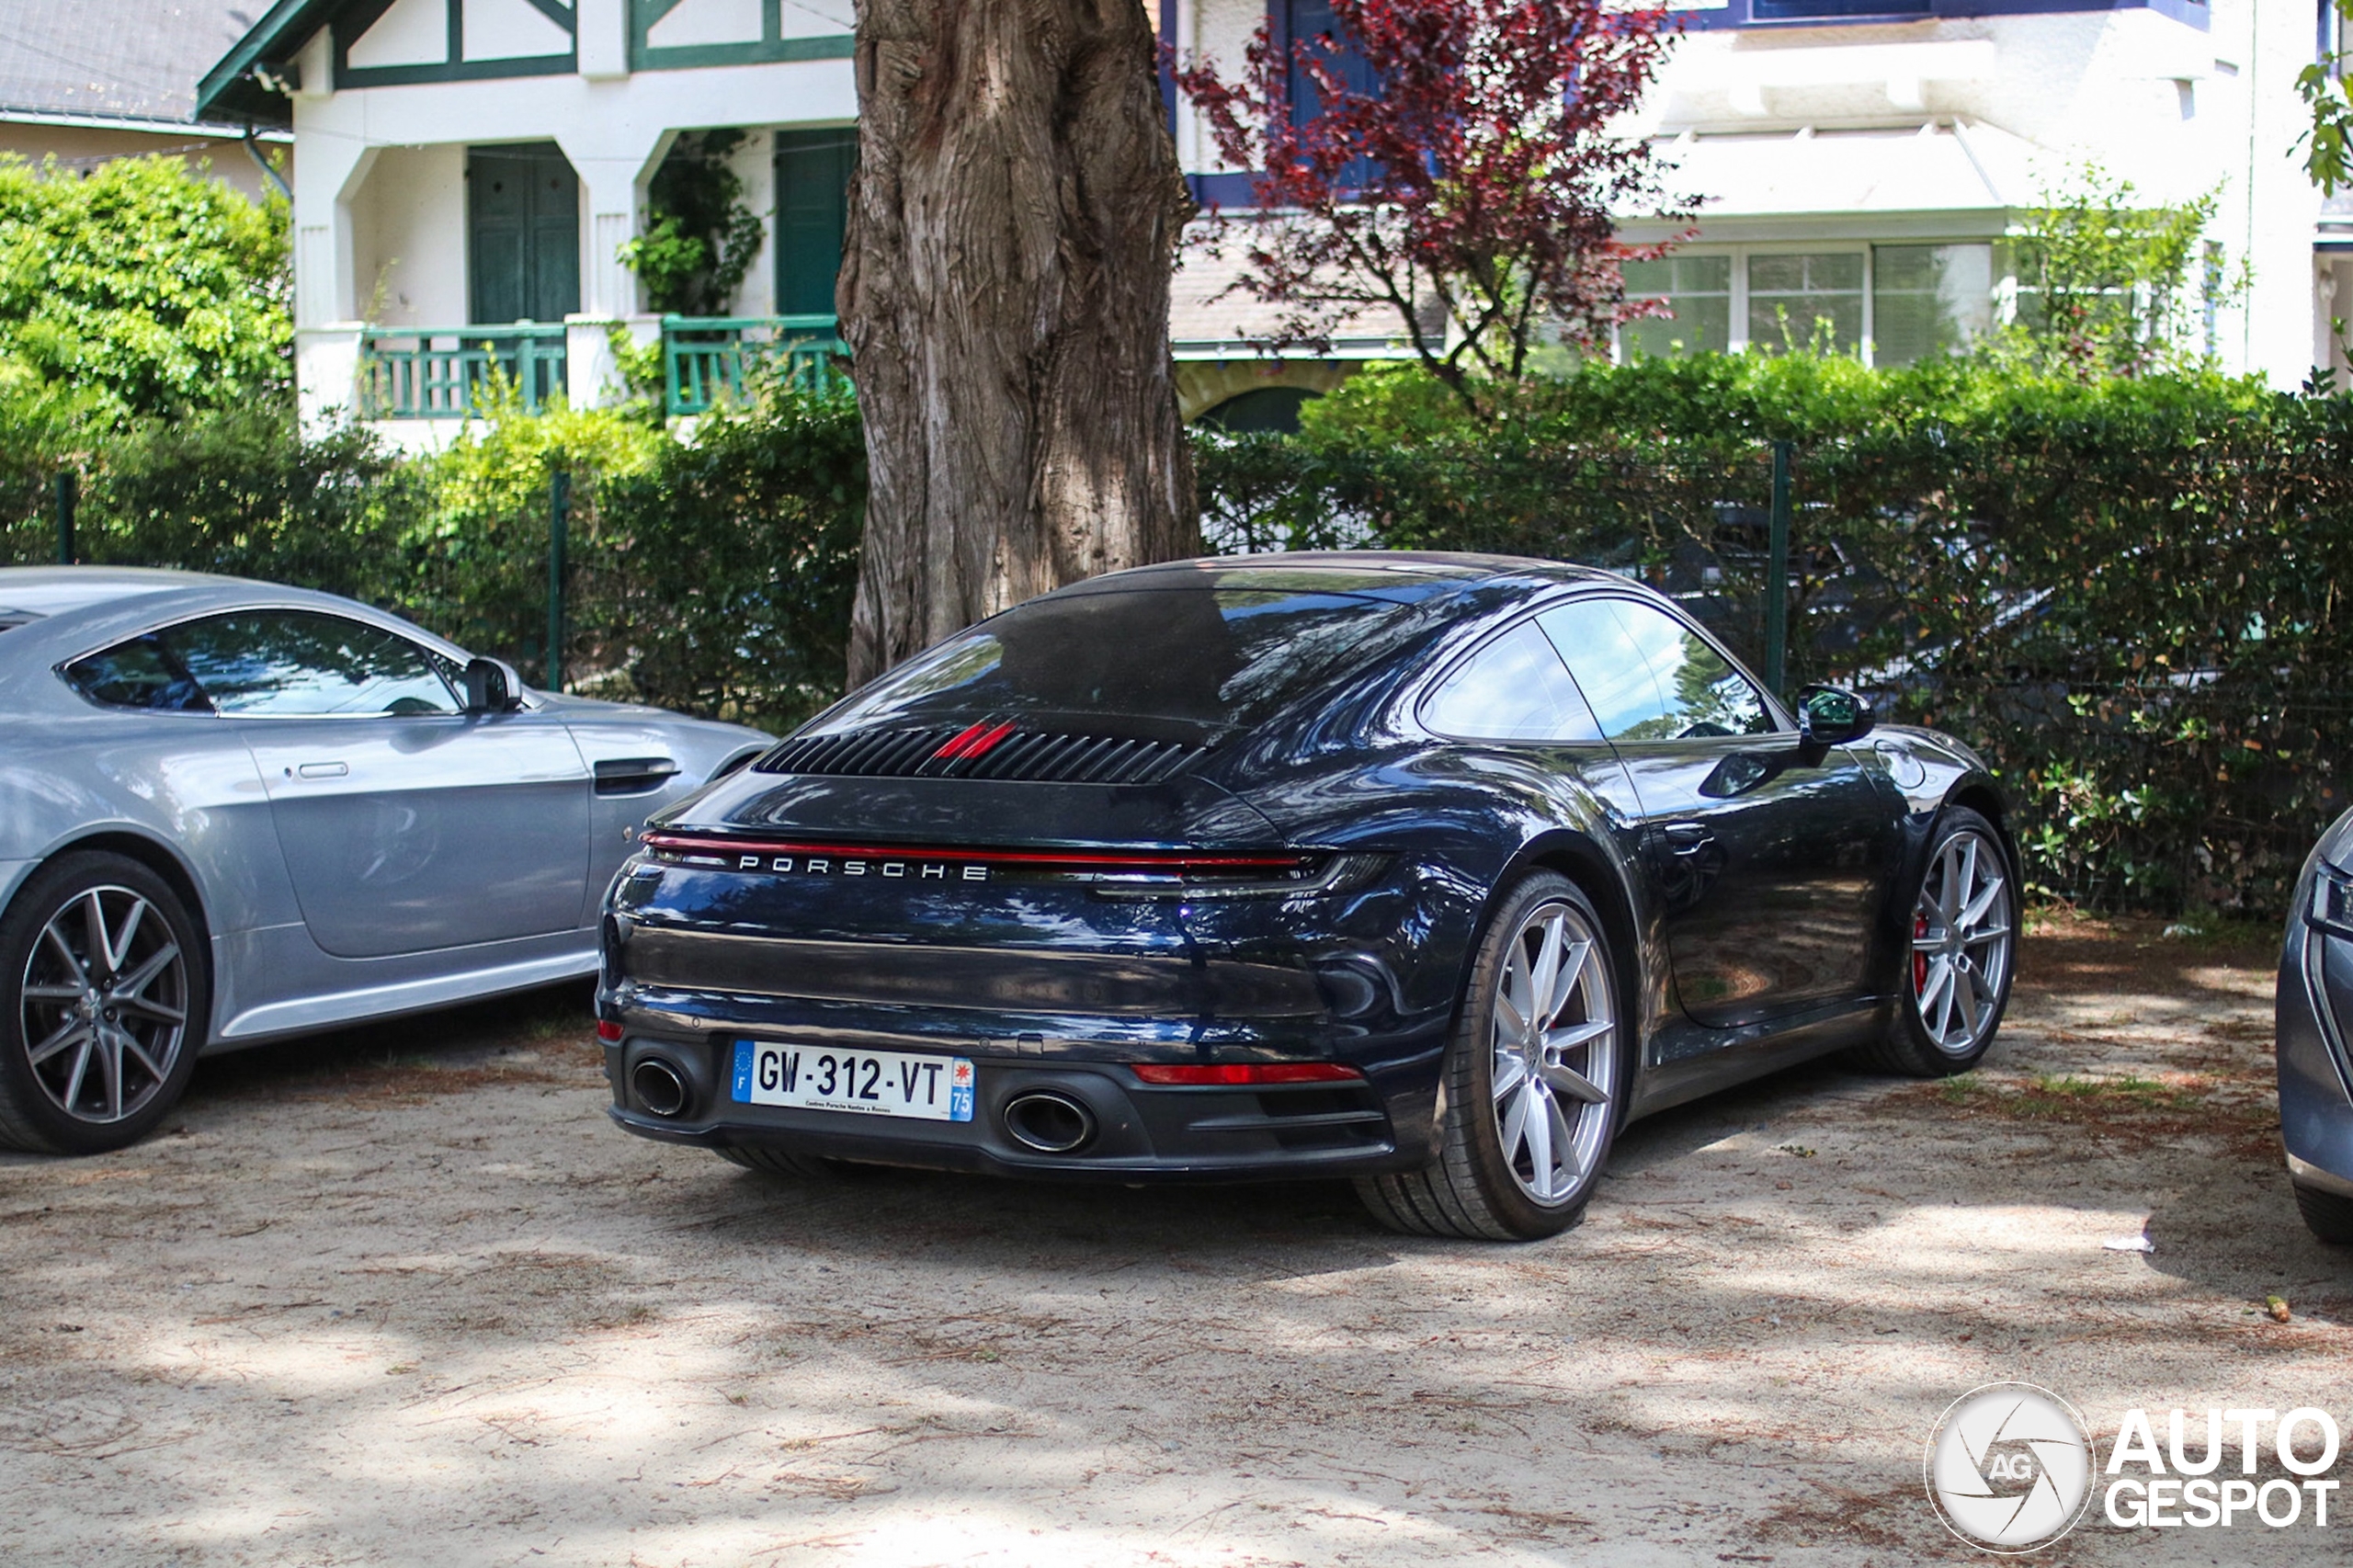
(1201, 654)
(137, 675)
(1515, 689)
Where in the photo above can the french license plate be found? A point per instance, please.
(873, 1082)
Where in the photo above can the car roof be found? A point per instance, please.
(1382, 573)
(51, 614)
(29, 592)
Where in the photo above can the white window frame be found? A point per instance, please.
(1740, 254)
(2004, 285)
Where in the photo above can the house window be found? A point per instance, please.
(522, 233)
(1886, 304)
(1698, 290)
(812, 170)
(1929, 299)
(1806, 300)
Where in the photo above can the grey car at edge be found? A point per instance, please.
(232, 812)
(2315, 1049)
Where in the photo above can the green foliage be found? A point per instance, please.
(2125, 592)
(139, 289)
(2328, 156)
(2111, 287)
(738, 557)
(699, 238)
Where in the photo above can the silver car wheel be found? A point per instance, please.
(105, 1004)
(1962, 943)
(1555, 1053)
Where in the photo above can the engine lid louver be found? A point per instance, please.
(988, 749)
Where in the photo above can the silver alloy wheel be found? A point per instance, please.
(1555, 1053)
(105, 1003)
(1962, 943)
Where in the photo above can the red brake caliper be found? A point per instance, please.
(1919, 959)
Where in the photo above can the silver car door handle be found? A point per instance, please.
(1687, 837)
(633, 775)
(325, 770)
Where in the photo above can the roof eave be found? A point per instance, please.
(229, 93)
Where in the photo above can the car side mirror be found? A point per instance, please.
(492, 687)
(1830, 716)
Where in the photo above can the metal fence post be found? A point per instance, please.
(558, 519)
(68, 494)
(1777, 576)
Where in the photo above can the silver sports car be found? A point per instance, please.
(231, 812)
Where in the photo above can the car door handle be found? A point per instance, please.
(633, 775)
(323, 770)
(1687, 837)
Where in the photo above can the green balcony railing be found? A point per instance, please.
(447, 372)
(705, 358)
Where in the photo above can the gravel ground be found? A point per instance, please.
(403, 1297)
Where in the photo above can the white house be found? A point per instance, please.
(1860, 159)
(468, 170)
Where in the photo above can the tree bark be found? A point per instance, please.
(1005, 294)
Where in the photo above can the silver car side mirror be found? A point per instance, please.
(492, 687)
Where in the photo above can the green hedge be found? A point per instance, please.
(712, 575)
(2129, 593)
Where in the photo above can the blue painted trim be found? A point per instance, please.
(1740, 13)
(1225, 190)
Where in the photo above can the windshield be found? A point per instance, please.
(1196, 655)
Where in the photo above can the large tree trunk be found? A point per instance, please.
(1005, 294)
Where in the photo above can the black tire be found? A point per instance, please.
(1474, 1185)
(783, 1163)
(2327, 1215)
(1915, 1046)
(53, 1105)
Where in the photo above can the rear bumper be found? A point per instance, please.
(1140, 1132)
(1045, 983)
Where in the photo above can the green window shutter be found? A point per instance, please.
(523, 233)
(812, 170)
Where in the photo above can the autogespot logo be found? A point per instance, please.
(2009, 1467)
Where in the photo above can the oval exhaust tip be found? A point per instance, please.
(1049, 1123)
(659, 1086)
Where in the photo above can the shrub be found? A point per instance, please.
(2125, 592)
(145, 287)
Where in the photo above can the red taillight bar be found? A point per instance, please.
(608, 1030)
(1244, 1072)
(1141, 859)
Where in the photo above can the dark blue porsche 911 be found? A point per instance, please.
(1427, 871)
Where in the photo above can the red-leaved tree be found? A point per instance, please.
(1471, 186)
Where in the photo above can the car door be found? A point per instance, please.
(408, 825)
(1767, 853)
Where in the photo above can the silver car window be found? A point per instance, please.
(298, 664)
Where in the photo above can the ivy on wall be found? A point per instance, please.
(700, 237)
